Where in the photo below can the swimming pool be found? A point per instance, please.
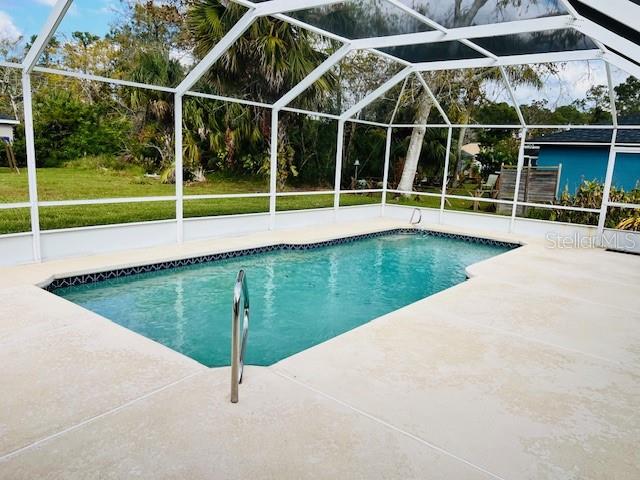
(300, 295)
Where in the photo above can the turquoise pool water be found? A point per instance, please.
(298, 298)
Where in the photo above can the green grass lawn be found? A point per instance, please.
(97, 178)
(424, 201)
(90, 181)
(104, 178)
(456, 204)
(71, 183)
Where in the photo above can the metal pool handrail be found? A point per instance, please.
(238, 333)
(413, 215)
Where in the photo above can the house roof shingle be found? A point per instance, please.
(593, 135)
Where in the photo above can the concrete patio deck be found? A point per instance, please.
(529, 370)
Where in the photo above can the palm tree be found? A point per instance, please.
(152, 111)
(264, 64)
(147, 38)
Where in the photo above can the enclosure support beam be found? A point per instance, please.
(511, 60)
(433, 98)
(55, 17)
(397, 106)
(625, 12)
(98, 78)
(31, 164)
(569, 8)
(622, 63)
(604, 207)
(385, 174)
(40, 43)
(441, 28)
(516, 189)
(179, 175)
(5, 64)
(306, 82)
(338, 178)
(468, 33)
(611, 41)
(273, 7)
(378, 92)
(512, 95)
(577, 17)
(445, 174)
(217, 51)
(612, 95)
(273, 174)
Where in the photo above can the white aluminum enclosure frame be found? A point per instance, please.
(53, 21)
(603, 38)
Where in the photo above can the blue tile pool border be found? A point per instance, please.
(87, 278)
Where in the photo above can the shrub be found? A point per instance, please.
(590, 195)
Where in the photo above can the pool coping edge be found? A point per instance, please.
(70, 280)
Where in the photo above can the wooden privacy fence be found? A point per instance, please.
(537, 185)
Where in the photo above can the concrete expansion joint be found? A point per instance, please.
(64, 431)
(568, 296)
(502, 331)
(19, 340)
(387, 424)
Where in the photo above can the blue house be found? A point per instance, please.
(584, 153)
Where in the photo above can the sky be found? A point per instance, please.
(26, 17)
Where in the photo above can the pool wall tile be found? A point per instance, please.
(75, 280)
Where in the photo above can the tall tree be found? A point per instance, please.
(11, 92)
(469, 83)
(628, 96)
(149, 37)
(262, 65)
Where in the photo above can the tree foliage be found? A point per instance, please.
(66, 128)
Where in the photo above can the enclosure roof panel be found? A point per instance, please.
(622, 17)
(395, 23)
(423, 35)
(361, 19)
(433, 52)
(546, 41)
(464, 13)
(432, 35)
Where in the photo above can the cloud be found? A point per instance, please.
(571, 82)
(186, 59)
(51, 3)
(8, 29)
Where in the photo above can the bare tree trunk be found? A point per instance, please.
(459, 164)
(346, 148)
(465, 19)
(415, 145)
(14, 107)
